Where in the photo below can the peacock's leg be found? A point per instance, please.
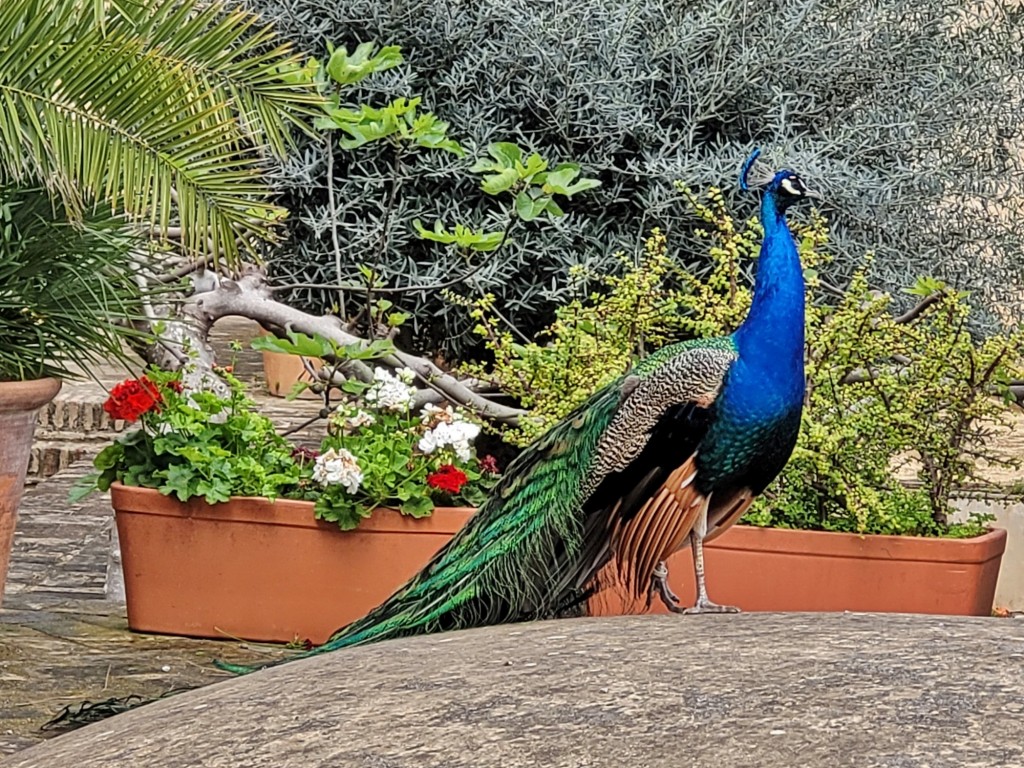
(659, 586)
(703, 605)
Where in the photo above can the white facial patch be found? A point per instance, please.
(788, 185)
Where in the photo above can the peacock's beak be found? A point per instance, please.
(813, 194)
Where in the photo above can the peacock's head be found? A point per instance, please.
(785, 185)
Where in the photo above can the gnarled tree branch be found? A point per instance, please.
(251, 297)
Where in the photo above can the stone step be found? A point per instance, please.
(80, 414)
(49, 457)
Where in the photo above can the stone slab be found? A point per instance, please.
(749, 690)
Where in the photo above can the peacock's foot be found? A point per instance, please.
(706, 606)
(659, 586)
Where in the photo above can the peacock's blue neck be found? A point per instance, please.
(770, 341)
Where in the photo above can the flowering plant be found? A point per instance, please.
(193, 443)
(378, 449)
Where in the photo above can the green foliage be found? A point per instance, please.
(601, 333)
(399, 121)
(404, 129)
(529, 180)
(642, 92)
(395, 451)
(148, 101)
(317, 345)
(891, 398)
(593, 339)
(529, 189)
(461, 237)
(348, 69)
(63, 287)
(378, 451)
(120, 118)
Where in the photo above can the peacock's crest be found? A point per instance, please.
(754, 174)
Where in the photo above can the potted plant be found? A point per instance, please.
(283, 373)
(282, 542)
(899, 407)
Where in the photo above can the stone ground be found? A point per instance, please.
(61, 640)
(57, 653)
(752, 690)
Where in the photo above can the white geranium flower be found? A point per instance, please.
(361, 419)
(432, 414)
(338, 467)
(457, 435)
(389, 392)
(463, 450)
(406, 375)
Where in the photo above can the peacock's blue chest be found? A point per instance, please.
(757, 419)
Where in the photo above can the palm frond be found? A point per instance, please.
(66, 290)
(164, 111)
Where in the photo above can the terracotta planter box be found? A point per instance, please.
(768, 569)
(262, 570)
(269, 571)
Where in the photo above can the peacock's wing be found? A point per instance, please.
(534, 541)
(646, 500)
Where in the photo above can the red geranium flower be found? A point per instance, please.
(489, 465)
(448, 478)
(132, 398)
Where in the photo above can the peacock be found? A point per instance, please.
(671, 453)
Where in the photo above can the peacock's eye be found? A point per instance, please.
(793, 186)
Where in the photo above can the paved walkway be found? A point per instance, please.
(61, 640)
(814, 691)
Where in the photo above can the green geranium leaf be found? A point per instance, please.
(83, 487)
(417, 506)
(109, 457)
(179, 482)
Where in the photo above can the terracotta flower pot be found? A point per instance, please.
(263, 570)
(771, 569)
(282, 372)
(20, 402)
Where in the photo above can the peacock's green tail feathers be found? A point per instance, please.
(241, 669)
(511, 561)
(498, 567)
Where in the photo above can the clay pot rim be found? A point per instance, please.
(295, 513)
(795, 541)
(28, 395)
